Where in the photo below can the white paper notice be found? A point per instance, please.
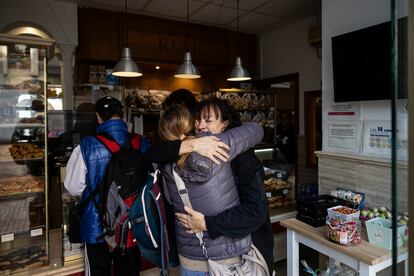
(342, 136)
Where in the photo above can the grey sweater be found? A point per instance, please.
(212, 190)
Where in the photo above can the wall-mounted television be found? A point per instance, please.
(362, 63)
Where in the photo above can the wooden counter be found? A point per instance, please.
(365, 257)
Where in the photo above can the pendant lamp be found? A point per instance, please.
(238, 73)
(126, 66)
(187, 70)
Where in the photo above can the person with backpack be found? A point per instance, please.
(210, 187)
(85, 172)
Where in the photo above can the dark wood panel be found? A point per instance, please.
(166, 41)
(158, 40)
(99, 34)
(211, 78)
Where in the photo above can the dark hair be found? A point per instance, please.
(220, 107)
(180, 96)
(109, 107)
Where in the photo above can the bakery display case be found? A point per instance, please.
(260, 106)
(143, 111)
(23, 143)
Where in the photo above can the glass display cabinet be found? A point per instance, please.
(23, 136)
(260, 106)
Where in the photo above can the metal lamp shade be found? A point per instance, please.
(239, 73)
(187, 70)
(126, 66)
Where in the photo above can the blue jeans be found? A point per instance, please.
(187, 272)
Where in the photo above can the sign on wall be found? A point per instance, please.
(344, 111)
(343, 136)
(377, 138)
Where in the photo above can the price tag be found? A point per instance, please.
(7, 237)
(36, 232)
(343, 237)
(268, 194)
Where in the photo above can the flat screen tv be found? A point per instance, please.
(362, 63)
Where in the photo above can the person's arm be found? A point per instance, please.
(208, 146)
(242, 138)
(75, 178)
(242, 220)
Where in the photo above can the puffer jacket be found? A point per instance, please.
(96, 158)
(211, 189)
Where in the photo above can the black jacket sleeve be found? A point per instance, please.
(164, 152)
(250, 215)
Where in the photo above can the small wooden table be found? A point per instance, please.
(367, 258)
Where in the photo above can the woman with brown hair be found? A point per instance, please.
(210, 186)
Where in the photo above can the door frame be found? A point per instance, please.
(293, 79)
(310, 127)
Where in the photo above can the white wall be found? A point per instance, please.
(342, 16)
(58, 18)
(285, 51)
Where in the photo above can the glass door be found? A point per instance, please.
(400, 146)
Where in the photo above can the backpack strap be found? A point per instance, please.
(135, 141)
(90, 197)
(185, 198)
(108, 142)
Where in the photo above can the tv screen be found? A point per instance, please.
(362, 63)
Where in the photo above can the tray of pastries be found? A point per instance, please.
(275, 184)
(23, 259)
(21, 184)
(280, 201)
(23, 151)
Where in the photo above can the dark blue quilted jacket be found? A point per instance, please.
(212, 190)
(96, 158)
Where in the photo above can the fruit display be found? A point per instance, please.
(343, 213)
(345, 233)
(384, 213)
(374, 212)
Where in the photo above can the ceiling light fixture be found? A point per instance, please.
(187, 70)
(126, 66)
(238, 73)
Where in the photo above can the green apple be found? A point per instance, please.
(383, 209)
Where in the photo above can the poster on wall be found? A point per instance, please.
(377, 138)
(344, 111)
(342, 136)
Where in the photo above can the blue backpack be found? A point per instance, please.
(149, 225)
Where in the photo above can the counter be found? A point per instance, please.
(366, 258)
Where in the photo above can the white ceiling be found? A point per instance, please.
(256, 16)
